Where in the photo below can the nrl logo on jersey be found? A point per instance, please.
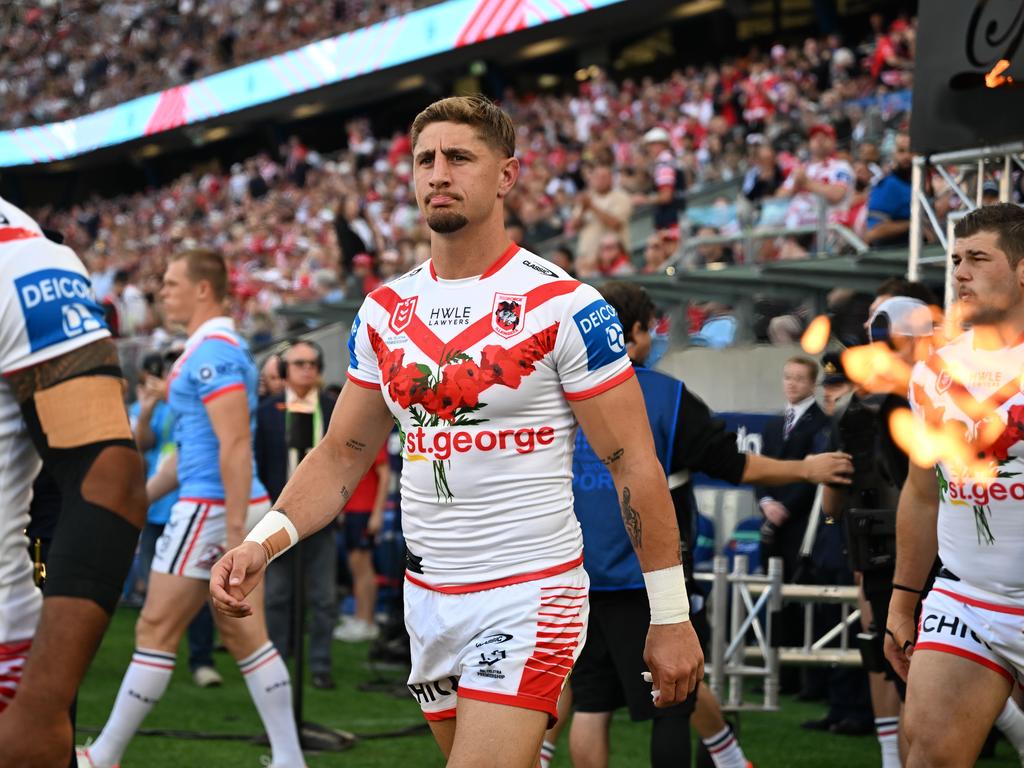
(402, 314)
(509, 312)
(944, 382)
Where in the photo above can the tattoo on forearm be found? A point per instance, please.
(631, 519)
(609, 460)
(355, 445)
(345, 493)
(99, 354)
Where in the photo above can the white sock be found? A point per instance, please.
(888, 731)
(547, 754)
(271, 690)
(1011, 723)
(725, 749)
(143, 685)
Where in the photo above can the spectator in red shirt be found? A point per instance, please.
(360, 522)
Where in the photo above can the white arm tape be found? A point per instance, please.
(666, 592)
(275, 533)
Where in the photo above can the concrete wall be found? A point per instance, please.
(739, 379)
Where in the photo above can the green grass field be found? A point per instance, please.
(771, 740)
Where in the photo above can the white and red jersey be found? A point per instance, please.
(803, 206)
(981, 521)
(479, 373)
(46, 310)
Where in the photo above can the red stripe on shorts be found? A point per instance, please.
(955, 651)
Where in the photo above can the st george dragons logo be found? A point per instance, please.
(508, 315)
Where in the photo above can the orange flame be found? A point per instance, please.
(995, 77)
(815, 338)
(877, 368)
(927, 445)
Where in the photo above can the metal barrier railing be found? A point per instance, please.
(744, 604)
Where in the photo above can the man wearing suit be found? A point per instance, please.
(802, 429)
(276, 422)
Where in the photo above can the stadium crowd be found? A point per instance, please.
(133, 48)
(303, 226)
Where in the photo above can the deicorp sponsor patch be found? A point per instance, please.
(602, 334)
(58, 305)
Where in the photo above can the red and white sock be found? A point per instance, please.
(271, 690)
(888, 731)
(142, 687)
(547, 754)
(725, 749)
(12, 662)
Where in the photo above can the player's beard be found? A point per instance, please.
(446, 222)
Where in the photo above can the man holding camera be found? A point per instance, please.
(868, 504)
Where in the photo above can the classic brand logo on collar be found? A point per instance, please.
(508, 313)
(402, 314)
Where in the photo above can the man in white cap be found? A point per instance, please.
(669, 184)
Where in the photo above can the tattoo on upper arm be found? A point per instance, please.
(609, 460)
(99, 354)
(346, 494)
(355, 445)
(631, 519)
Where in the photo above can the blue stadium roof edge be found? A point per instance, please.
(411, 37)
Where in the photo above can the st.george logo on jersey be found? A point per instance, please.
(507, 315)
(402, 314)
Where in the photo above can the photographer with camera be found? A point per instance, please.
(868, 505)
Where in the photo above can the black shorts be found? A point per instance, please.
(608, 673)
(354, 531)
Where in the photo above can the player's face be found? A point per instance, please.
(797, 383)
(988, 289)
(178, 294)
(459, 178)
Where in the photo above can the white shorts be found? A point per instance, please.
(511, 644)
(12, 662)
(195, 535)
(986, 631)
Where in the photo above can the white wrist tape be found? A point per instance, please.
(666, 592)
(275, 533)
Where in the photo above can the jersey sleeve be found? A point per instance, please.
(843, 174)
(363, 368)
(216, 368)
(590, 350)
(47, 307)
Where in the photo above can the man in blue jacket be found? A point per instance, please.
(687, 439)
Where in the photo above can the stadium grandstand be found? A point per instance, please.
(748, 162)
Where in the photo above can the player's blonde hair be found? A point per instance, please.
(492, 122)
(205, 264)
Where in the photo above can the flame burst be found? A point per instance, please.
(815, 338)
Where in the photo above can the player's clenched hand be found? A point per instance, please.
(675, 660)
(899, 641)
(833, 468)
(236, 575)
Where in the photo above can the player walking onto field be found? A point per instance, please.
(496, 598)
(968, 646)
(212, 394)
